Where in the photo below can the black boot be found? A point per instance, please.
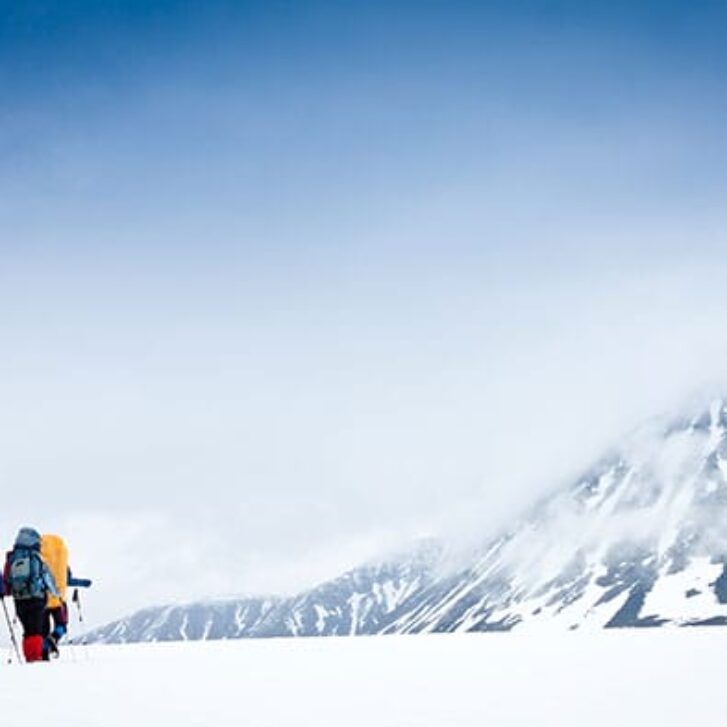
(50, 650)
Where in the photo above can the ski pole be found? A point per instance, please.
(11, 630)
(77, 600)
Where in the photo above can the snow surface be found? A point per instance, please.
(625, 677)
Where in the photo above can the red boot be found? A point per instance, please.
(33, 648)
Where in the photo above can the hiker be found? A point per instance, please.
(30, 582)
(54, 552)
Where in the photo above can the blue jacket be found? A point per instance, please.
(29, 539)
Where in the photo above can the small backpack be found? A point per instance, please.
(25, 576)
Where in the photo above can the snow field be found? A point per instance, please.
(665, 677)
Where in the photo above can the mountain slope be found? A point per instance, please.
(224, 619)
(640, 540)
(358, 602)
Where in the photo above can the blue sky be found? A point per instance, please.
(318, 273)
(242, 120)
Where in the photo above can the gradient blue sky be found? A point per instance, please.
(330, 275)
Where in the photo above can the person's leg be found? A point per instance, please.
(60, 626)
(31, 613)
(46, 622)
(60, 621)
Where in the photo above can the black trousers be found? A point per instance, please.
(59, 617)
(31, 613)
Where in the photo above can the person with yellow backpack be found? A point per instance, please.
(54, 552)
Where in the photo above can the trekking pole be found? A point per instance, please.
(68, 644)
(11, 630)
(76, 598)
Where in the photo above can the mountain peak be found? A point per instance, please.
(640, 539)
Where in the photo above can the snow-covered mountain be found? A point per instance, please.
(228, 619)
(359, 602)
(639, 540)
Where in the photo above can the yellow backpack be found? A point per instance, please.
(54, 552)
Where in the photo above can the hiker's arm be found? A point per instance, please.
(78, 582)
(50, 582)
